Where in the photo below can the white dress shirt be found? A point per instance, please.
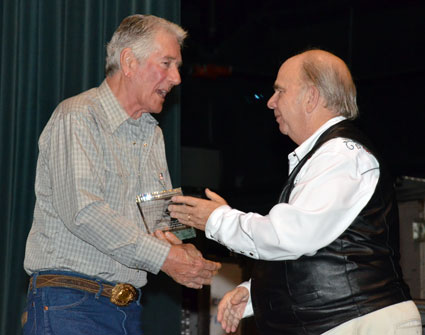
(330, 190)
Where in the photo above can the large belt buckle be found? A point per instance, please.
(123, 294)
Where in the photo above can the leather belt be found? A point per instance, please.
(120, 294)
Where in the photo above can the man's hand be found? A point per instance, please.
(185, 263)
(193, 211)
(168, 237)
(231, 308)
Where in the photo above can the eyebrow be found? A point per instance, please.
(179, 63)
(277, 87)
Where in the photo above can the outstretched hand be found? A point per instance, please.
(168, 237)
(185, 263)
(232, 307)
(193, 211)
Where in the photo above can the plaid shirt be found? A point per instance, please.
(93, 162)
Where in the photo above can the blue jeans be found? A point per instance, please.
(59, 310)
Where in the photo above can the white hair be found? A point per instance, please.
(335, 87)
(138, 33)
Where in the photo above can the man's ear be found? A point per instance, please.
(312, 98)
(126, 60)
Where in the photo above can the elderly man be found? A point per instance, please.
(327, 253)
(88, 252)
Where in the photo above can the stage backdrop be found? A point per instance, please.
(51, 50)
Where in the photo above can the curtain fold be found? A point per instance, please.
(51, 50)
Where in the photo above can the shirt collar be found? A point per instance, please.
(299, 153)
(115, 113)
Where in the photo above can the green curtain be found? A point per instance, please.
(51, 50)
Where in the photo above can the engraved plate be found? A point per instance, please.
(153, 208)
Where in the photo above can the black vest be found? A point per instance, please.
(356, 274)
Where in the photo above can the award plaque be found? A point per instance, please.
(153, 208)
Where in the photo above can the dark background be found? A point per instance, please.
(234, 51)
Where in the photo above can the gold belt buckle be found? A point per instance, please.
(123, 294)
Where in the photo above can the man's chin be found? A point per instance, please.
(156, 110)
(283, 129)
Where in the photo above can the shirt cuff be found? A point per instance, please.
(151, 253)
(213, 224)
(230, 228)
(249, 311)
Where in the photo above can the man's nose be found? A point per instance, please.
(271, 103)
(174, 76)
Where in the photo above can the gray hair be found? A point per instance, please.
(336, 88)
(138, 33)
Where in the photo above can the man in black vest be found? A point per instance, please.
(328, 259)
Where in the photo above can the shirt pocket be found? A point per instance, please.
(116, 186)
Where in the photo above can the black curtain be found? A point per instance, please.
(51, 50)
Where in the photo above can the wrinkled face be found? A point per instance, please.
(287, 100)
(154, 77)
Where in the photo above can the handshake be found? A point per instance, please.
(185, 263)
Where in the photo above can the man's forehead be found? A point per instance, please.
(167, 47)
(291, 65)
(289, 70)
